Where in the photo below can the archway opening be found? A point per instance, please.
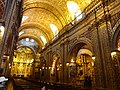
(81, 64)
(115, 54)
(22, 65)
(55, 69)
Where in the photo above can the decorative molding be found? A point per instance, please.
(115, 20)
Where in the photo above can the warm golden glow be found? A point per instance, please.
(22, 62)
(93, 58)
(113, 53)
(54, 29)
(2, 30)
(119, 49)
(72, 60)
(74, 10)
(67, 64)
(24, 18)
(43, 39)
(48, 17)
(85, 65)
(27, 39)
(20, 33)
(72, 6)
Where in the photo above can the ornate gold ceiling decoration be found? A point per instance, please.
(32, 36)
(36, 27)
(41, 13)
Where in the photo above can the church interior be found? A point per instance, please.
(60, 44)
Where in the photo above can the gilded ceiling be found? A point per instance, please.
(39, 14)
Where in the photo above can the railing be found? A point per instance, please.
(96, 4)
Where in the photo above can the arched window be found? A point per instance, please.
(43, 39)
(20, 33)
(74, 10)
(24, 18)
(54, 29)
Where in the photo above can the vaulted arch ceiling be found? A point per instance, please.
(39, 14)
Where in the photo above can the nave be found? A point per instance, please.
(29, 84)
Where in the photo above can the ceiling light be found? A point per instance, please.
(27, 39)
(32, 40)
(20, 33)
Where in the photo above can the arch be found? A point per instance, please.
(40, 43)
(84, 51)
(22, 58)
(51, 9)
(55, 68)
(37, 26)
(56, 54)
(34, 52)
(27, 47)
(114, 39)
(77, 46)
(55, 59)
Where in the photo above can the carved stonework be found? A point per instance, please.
(71, 43)
(2, 6)
(115, 18)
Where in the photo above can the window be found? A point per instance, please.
(24, 18)
(20, 33)
(54, 29)
(43, 39)
(74, 10)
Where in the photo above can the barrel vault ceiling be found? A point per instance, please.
(40, 14)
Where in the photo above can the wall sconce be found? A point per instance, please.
(60, 64)
(72, 61)
(67, 63)
(49, 67)
(113, 53)
(93, 57)
(43, 68)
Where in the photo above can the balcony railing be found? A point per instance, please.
(96, 4)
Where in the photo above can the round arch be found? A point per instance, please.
(34, 52)
(77, 46)
(56, 54)
(115, 38)
(37, 26)
(52, 9)
(80, 62)
(27, 47)
(56, 67)
(23, 62)
(40, 43)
